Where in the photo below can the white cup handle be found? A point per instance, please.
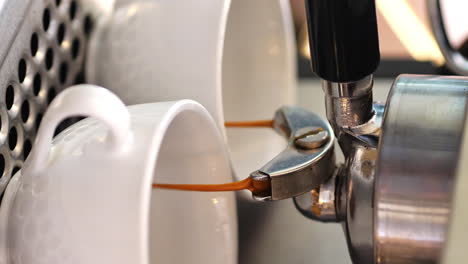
(80, 100)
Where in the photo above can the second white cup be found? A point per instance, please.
(237, 58)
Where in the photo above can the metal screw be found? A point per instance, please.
(311, 137)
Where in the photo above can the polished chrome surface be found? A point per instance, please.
(296, 170)
(455, 61)
(348, 104)
(348, 196)
(322, 204)
(418, 156)
(455, 250)
(373, 126)
(43, 49)
(359, 198)
(349, 89)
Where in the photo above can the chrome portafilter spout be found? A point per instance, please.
(344, 47)
(345, 52)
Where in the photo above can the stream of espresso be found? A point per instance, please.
(256, 123)
(256, 187)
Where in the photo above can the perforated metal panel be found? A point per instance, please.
(41, 53)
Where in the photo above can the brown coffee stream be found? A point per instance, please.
(255, 186)
(257, 123)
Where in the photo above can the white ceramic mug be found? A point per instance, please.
(86, 197)
(237, 58)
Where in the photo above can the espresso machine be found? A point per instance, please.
(393, 194)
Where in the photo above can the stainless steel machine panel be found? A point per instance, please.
(43, 49)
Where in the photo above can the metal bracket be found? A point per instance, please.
(308, 160)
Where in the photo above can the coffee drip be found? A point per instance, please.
(257, 187)
(256, 123)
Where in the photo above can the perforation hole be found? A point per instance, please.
(75, 48)
(38, 121)
(62, 30)
(63, 72)
(27, 148)
(22, 70)
(88, 25)
(72, 10)
(51, 95)
(25, 111)
(12, 138)
(15, 170)
(2, 165)
(80, 78)
(9, 96)
(37, 83)
(46, 19)
(58, 2)
(49, 59)
(34, 44)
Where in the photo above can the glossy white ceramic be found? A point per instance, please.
(237, 58)
(259, 76)
(86, 196)
(150, 50)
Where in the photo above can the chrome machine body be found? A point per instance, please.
(419, 153)
(393, 194)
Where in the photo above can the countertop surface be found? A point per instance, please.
(275, 232)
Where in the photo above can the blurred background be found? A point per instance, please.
(406, 41)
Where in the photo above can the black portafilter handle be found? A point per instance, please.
(343, 36)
